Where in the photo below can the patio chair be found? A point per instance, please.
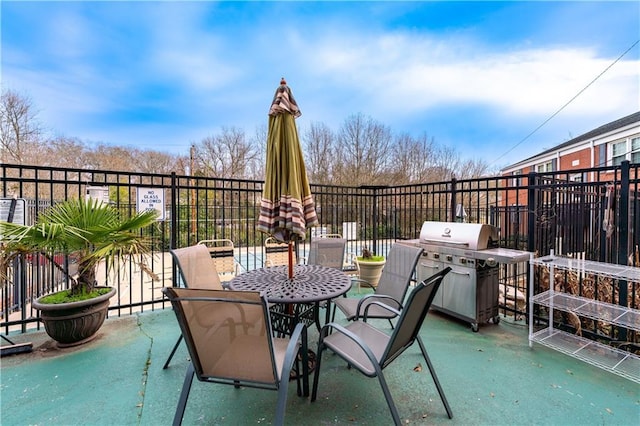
(230, 341)
(327, 252)
(196, 270)
(349, 266)
(222, 253)
(392, 287)
(371, 350)
(276, 253)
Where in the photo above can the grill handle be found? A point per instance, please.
(447, 242)
(453, 271)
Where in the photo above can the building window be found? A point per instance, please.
(544, 167)
(618, 153)
(517, 180)
(628, 149)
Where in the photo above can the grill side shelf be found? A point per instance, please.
(622, 363)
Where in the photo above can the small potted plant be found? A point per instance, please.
(91, 233)
(370, 266)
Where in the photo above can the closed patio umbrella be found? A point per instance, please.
(287, 206)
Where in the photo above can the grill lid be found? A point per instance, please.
(474, 236)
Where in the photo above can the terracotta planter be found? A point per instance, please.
(74, 323)
(370, 271)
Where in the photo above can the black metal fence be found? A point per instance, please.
(587, 213)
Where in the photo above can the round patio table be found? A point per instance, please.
(295, 299)
(310, 283)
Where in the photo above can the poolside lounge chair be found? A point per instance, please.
(222, 253)
(276, 253)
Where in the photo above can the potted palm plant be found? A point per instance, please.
(370, 266)
(91, 233)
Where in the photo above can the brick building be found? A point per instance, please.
(607, 145)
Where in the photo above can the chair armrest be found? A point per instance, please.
(382, 305)
(374, 296)
(326, 330)
(365, 282)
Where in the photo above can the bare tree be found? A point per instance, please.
(148, 161)
(66, 152)
(319, 148)
(256, 167)
(106, 157)
(227, 155)
(20, 130)
(411, 159)
(363, 152)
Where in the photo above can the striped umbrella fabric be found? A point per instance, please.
(287, 208)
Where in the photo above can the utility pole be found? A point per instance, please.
(193, 195)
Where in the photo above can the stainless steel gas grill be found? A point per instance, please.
(470, 291)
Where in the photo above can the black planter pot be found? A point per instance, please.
(74, 323)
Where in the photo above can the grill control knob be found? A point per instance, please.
(491, 262)
(436, 256)
(449, 258)
(463, 260)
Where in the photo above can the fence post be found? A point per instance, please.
(623, 228)
(374, 216)
(174, 211)
(375, 220)
(532, 195)
(454, 196)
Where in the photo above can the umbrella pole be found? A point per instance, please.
(290, 259)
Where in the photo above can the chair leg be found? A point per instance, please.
(328, 312)
(435, 378)
(316, 375)
(387, 396)
(297, 368)
(173, 351)
(316, 315)
(305, 363)
(184, 395)
(282, 400)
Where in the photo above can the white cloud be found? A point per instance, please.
(409, 75)
(190, 62)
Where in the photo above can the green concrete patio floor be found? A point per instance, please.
(490, 378)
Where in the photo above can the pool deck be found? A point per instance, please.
(491, 377)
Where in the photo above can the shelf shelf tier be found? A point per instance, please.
(622, 363)
(618, 362)
(618, 272)
(599, 311)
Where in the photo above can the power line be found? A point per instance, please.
(567, 103)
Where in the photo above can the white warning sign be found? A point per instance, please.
(13, 210)
(151, 199)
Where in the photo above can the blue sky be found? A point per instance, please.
(476, 76)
